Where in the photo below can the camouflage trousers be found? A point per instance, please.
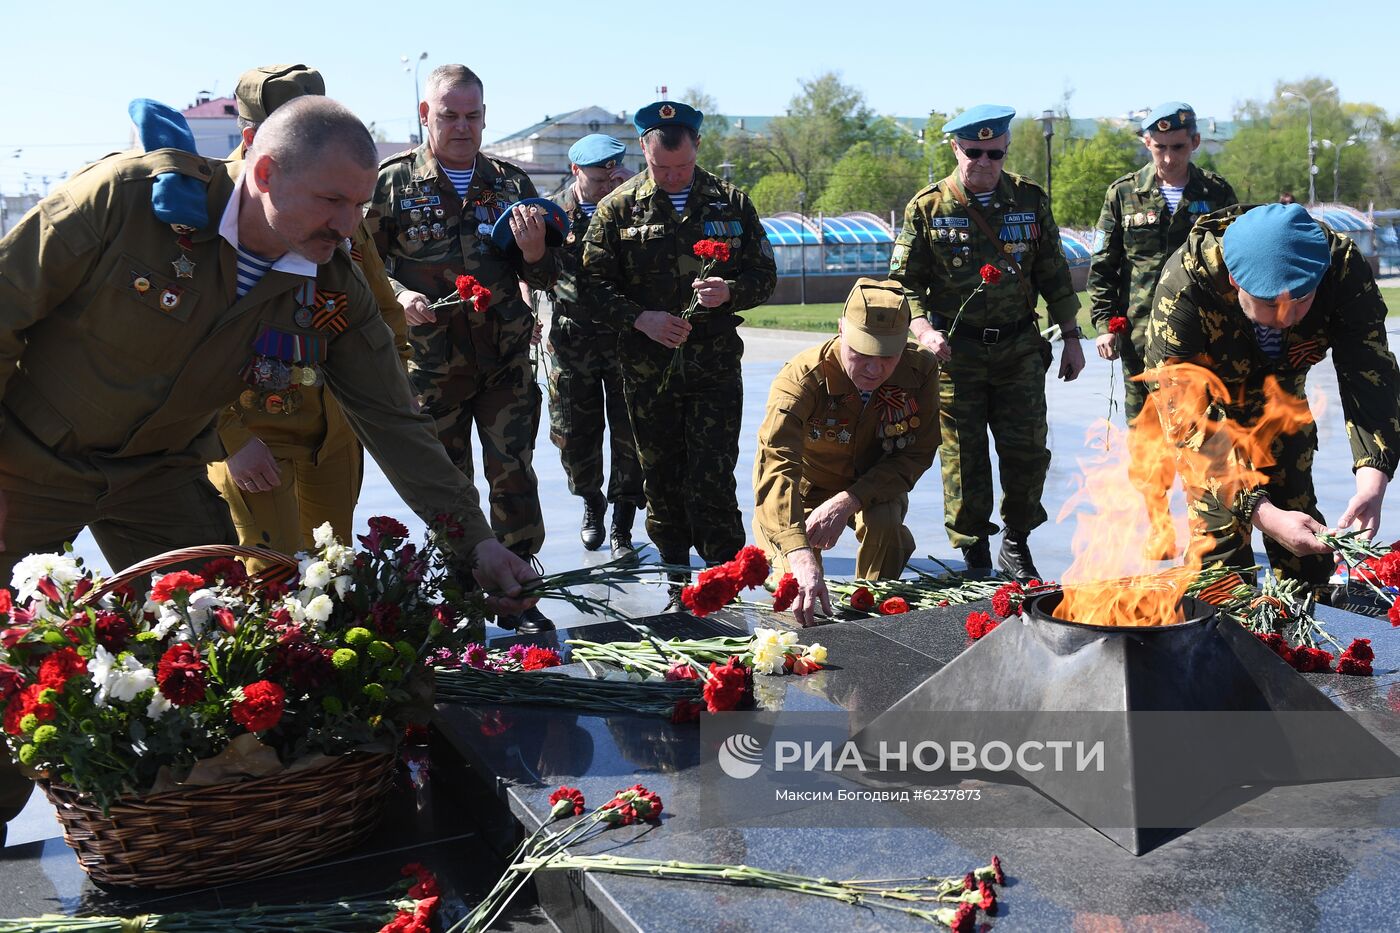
(1290, 487)
(688, 441)
(585, 389)
(884, 543)
(504, 405)
(998, 388)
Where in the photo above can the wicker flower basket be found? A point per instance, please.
(241, 830)
(224, 832)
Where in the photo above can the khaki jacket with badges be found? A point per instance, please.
(317, 427)
(1136, 233)
(638, 255)
(429, 236)
(940, 250)
(113, 369)
(819, 438)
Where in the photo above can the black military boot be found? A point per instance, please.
(677, 580)
(1015, 557)
(591, 533)
(978, 558)
(529, 622)
(620, 538)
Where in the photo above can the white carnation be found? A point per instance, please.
(119, 679)
(317, 575)
(60, 568)
(324, 535)
(319, 609)
(158, 706)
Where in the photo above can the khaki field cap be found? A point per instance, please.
(264, 89)
(876, 318)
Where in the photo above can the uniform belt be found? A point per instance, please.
(989, 336)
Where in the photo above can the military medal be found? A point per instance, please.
(184, 268)
(957, 260)
(303, 316)
(415, 215)
(170, 298)
(1139, 219)
(309, 376)
(248, 399)
(412, 234)
(844, 436)
(273, 404)
(140, 283)
(1151, 217)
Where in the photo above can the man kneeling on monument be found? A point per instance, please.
(851, 426)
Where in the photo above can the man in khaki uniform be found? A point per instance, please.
(287, 473)
(851, 426)
(122, 337)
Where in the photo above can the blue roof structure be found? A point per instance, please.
(855, 228)
(1340, 219)
(788, 230)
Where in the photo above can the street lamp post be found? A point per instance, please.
(417, 96)
(1047, 124)
(1312, 146)
(1337, 164)
(802, 242)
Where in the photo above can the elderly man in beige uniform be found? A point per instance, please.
(851, 426)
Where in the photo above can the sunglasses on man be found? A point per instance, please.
(996, 155)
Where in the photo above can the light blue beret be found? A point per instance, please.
(596, 150)
(1173, 115)
(1276, 248)
(985, 121)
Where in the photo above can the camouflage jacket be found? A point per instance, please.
(1136, 233)
(428, 236)
(567, 301)
(637, 254)
(818, 436)
(940, 250)
(1196, 318)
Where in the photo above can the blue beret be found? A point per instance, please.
(556, 224)
(985, 121)
(667, 113)
(175, 198)
(1276, 248)
(597, 150)
(1173, 115)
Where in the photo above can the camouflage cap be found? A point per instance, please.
(1173, 115)
(876, 318)
(263, 90)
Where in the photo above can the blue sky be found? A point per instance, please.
(69, 74)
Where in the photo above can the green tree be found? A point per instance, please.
(821, 123)
(1085, 169)
(776, 192)
(713, 132)
(867, 180)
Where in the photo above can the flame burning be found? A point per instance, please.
(1183, 428)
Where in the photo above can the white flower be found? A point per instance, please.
(202, 605)
(764, 636)
(342, 585)
(324, 535)
(119, 679)
(339, 556)
(768, 658)
(168, 617)
(787, 639)
(60, 568)
(158, 706)
(816, 651)
(319, 609)
(317, 575)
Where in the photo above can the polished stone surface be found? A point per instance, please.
(1234, 873)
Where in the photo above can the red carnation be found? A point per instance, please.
(682, 670)
(647, 803)
(969, 882)
(752, 565)
(465, 284)
(572, 796)
(1312, 660)
(302, 664)
(425, 885)
(1278, 644)
(7, 601)
(261, 706)
(991, 275)
(180, 674)
(388, 527)
(1118, 325)
(537, 658)
(979, 624)
(713, 250)
(786, 592)
(686, 711)
(998, 875)
(715, 589)
(862, 598)
(894, 606)
(57, 668)
(1006, 599)
(474, 293)
(1388, 569)
(224, 570)
(965, 919)
(1394, 614)
(726, 686)
(113, 631)
(1356, 660)
(26, 702)
(988, 903)
(179, 581)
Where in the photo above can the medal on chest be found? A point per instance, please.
(898, 414)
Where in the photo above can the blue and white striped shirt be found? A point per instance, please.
(251, 269)
(461, 181)
(1270, 340)
(678, 199)
(587, 208)
(1172, 195)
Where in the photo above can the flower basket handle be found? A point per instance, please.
(283, 567)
